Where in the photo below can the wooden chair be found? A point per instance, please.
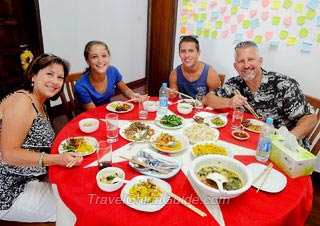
(222, 78)
(72, 105)
(313, 136)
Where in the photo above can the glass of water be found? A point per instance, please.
(112, 127)
(198, 106)
(237, 118)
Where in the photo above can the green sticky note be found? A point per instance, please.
(207, 26)
(196, 16)
(291, 41)
(206, 33)
(227, 2)
(198, 32)
(276, 5)
(318, 38)
(287, 4)
(246, 24)
(214, 34)
(301, 20)
(299, 8)
(234, 10)
(203, 5)
(303, 32)
(203, 16)
(258, 39)
(219, 24)
(283, 34)
(185, 2)
(184, 19)
(275, 20)
(311, 14)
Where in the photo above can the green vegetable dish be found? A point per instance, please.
(171, 120)
(217, 121)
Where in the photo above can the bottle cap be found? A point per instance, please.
(269, 120)
(164, 84)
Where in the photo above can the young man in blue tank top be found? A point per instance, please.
(192, 76)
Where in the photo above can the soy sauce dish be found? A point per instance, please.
(240, 135)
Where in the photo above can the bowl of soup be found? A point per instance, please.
(236, 173)
(105, 179)
(89, 125)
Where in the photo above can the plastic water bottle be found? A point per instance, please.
(163, 100)
(265, 142)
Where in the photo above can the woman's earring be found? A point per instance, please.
(32, 83)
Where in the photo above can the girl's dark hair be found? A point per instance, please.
(88, 47)
(40, 62)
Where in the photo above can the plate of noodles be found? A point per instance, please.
(120, 107)
(84, 145)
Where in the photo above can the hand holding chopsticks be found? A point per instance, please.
(265, 172)
(73, 162)
(136, 98)
(182, 94)
(249, 107)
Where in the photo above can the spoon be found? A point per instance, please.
(118, 179)
(139, 135)
(218, 179)
(170, 144)
(146, 157)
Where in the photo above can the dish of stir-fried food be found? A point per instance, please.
(137, 131)
(120, 107)
(83, 145)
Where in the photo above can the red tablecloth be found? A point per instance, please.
(77, 188)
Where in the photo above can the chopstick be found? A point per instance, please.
(249, 107)
(266, 171)
(146, 165)
(134, 99)
(190, 97)
(72, 162)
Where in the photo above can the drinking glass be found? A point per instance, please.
(198, 103)
(112, 127)
(237, 118)
(104, 154)
(143, 113)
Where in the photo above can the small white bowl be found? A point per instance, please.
(150, 106)
(184, 108)
(89, 125)
(110, 171)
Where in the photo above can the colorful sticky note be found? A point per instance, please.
(276, 5)
(233, 10)
(196, 16)
(185, 2)
(214, 15)
(206, 33)
(255, 23)
(207, 26)
(226, 19)
(219, 24)
(225, 33)
(268, 35)
(306, 47)
(245, 4)
(275, 20)
(223, 9)
(183, 30)
(301, 20)
(236, 2)
(274, 43)
(203, 5)
(258, 39)
(246, 24)
(213, 3)
(253, 13)
(240, 17)
(203, 16)
(238, 37)
(227, 2)
(199, 24)
(199, 32)
(318, 38)
(184, 19)
(233, 28)
(299, 8)
(291, 41)
(287, 21)
(250, 33)
(189, 6)
(287, 4)
(214, 34)
(283, 34)
(303, 32)
(265, 3)
(318, 21)
(313, 4)
(311, 14)
(265, 15)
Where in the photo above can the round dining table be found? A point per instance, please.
(81, 202)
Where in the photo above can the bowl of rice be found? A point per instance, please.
(200, 132)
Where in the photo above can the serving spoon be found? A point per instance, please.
(218, 179)
(170, 144)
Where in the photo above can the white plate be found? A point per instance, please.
(153, 173)
(275, 182)
(254, 122)
(168, 127)
(89, 140)
(178, 137)
(112, 107)
(240, 138)
(146, 207)
(219, 143)
(188, 101)
(122, 134)
(223, 118)
(200, 132)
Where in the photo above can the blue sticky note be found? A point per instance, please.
(238, 37)
(236, 2)
(200, 24)
(214, 15)
(306, 47)
(245, 4)
(318, 21)
(313, 4)
(274, 43)
(254, 24)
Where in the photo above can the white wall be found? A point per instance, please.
(290, 60)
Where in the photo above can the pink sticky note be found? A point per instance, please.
(253, 13)
(265, 15)
(250, 33)
(213, 3)
(184, 12)
(287, 21)
(265, 3)
(240, 17)
(225, 33)
(223, 9)
(268, 35)
(233, 28)
(226, 19)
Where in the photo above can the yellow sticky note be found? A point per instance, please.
(299, 8)
(185, 2)
(246, 24)
(318, 38)
(198, 32)
(214, 34)
(219, 24)
(303, 32)
(287, 4)
(183, 30)
(206, 33)
(275, 20)
(227, 2)
(207, 26)
(258, 39)
(203, 16)
(184, 19)
(234, 10)
(276, 4)
(203, 5)
(291, 41)
(283, 34)
(196, 16)
(301, 20)
(311, 14)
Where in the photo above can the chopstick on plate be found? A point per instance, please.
(249, 107)
(72, 162)
(190, 97)
(265, 172)
(146, 165)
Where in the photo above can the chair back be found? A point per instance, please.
(72, 105)
(313, 136)
(222, 78)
